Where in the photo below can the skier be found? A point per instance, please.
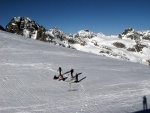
(76, 78)
(72, 70)
(59, 69)
(144, 103)
(56, 77)
(61, 77)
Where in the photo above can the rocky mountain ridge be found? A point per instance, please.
(26, 27)
(128, 45)
(1, 28)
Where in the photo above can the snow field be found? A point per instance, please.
(27, 68)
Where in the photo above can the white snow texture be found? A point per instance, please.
(106, 85)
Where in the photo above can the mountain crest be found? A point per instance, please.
(26, 27)
(84, 34)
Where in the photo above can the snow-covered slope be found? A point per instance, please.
(130, 45)
(27, 68)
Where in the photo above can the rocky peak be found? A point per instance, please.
(1, 28)
(26, 27)
(145, 34)
(130, 33)
(55, 33)
(84, 34)
(135, 35)
(127, 31)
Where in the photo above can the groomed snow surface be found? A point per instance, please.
(107, 85)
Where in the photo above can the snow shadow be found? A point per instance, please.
(143, 111)
(78, 73)
(145, 106)
(82, 79)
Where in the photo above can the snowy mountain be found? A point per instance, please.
(26, 27)
(129, 45)
(106, 85)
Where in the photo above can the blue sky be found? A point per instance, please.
(107, 16)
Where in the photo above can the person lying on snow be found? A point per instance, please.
(55, 77)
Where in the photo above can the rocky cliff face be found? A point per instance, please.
(1, 28)
(26, 27)
(61, 38)
(139, 37)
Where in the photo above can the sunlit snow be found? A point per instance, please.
(106, 85)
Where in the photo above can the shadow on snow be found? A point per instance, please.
(143, 111)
